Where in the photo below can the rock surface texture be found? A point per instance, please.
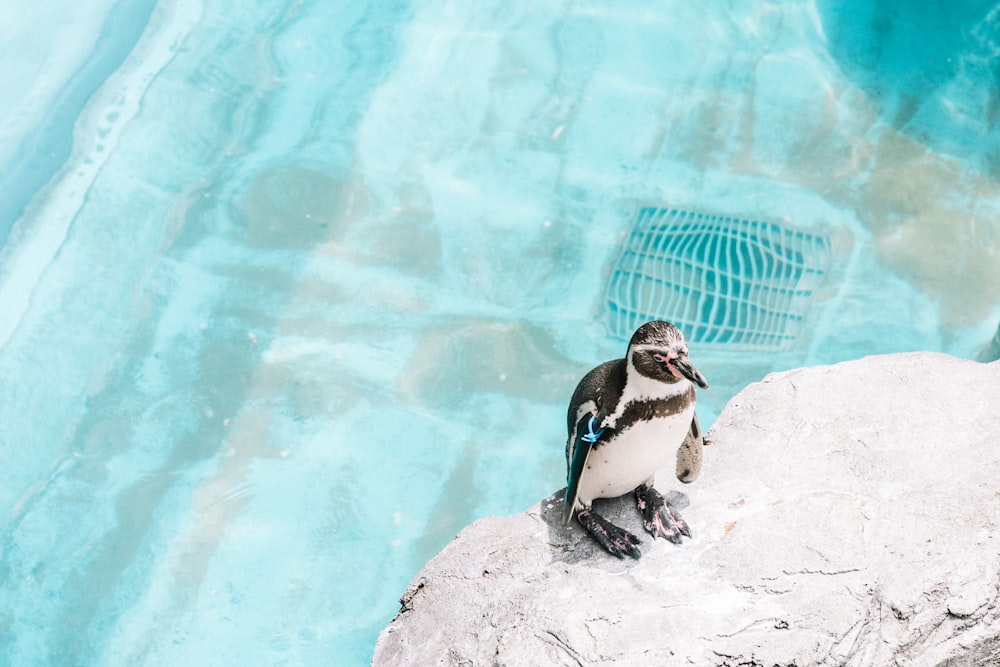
(846, 515)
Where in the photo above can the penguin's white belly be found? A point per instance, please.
(616, 468)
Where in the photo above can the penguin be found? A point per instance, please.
(625, 420)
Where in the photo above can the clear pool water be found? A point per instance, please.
(292, 291)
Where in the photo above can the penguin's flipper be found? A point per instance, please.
(584, 439)
(616, 541)
(659, 518)
(689, 454)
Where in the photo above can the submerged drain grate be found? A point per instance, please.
(724, 281)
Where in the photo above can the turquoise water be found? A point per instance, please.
(290, 292)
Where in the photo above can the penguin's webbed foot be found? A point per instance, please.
(659, 518)
(617, 541)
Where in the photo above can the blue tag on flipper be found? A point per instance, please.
(591, 436)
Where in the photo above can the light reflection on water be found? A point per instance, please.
(314, 286)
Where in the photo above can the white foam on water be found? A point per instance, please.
(36, 67)
(29, 251)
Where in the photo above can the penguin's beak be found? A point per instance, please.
(684, 367)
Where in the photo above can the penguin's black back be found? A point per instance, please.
(603, 385)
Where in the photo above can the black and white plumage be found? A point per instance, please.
(627, 419)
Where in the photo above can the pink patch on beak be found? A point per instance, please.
(666, 361)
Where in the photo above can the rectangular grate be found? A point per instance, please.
(724, 281)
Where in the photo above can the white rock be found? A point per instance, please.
(846, 515)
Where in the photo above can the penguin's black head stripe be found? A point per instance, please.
(659, 333)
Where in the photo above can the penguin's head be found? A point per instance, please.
(658, 350)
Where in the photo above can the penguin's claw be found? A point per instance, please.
(617, 541)
(659, 518)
